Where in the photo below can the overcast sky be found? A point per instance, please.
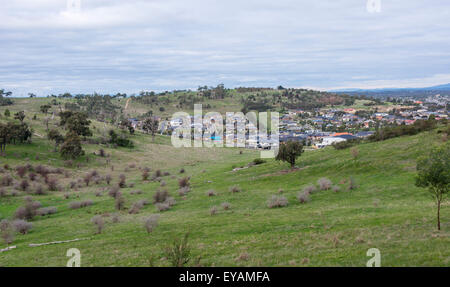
(128, 46)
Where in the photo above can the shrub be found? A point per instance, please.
(213, 210)
(158, 173)
(28, 211)
(101, 152)
(52, 183)
(354, 152)
(24, 185)
(80, 204)
(183, 191)
(6, 231)
(170, 201)
(122, 181)
(179, 253)
(151, 222)
(136, 207)
(32, 176)
(277, 201)
(160, 196)
(162, 206)
(98, 222)
(39, 190)
(166, 173)
(22, 226)
(115, 218)
(98, 193)
(21, 171)
(235, 189)
(310, 189)
(47, 211)
(87, 179)
(324, 183)
(184, 182)
(336, 188)
(211, 193)
(226, 206)
(182, 170)
(120, 202)
(3, 192)
(145, 175)
(303, 197)
(114, 192)
(108, 178)
(133, 192)
(352, 184)
(163, 183)
(7, 180)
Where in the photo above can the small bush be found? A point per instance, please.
(151, 223)
(226, 206)
(324, 183)
(6, 231)
(184, 182)
(136, 207)
(213, 210)
(160, 196)
(115, 218)
(336, 188)
(87, 179)
(211, 193)
(3, 192)
(47, 211)
(122, 181)
(184, 190)
(80, 204)
(52, 183)
(22, 226)
(182, 170)
(145, 175)
(133, 192)
(303, 197)
(163, 183)
(114, 191)
(108, 178)
(23, 185)
(235, 189)
(99, 223)
(7, 180)
(21, 171)
(32, 176)
(277, 201)
(29, 210)
(98, 194)
(352, 184)
(310, 189)
(162, 206)
(39, 190)
(179, 253)
(120, 202)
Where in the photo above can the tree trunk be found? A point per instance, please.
(438, 215)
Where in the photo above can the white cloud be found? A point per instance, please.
(114, 45)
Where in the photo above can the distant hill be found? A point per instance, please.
(398, 92)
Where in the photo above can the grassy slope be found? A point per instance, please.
(386, 211)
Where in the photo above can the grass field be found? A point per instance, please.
(385, 211)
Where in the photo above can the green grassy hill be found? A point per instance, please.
(385, 211)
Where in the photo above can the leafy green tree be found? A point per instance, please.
(289, 152)
(45, 108)
(71, 148)
(7, 113)
(76, 122)
(55, 135)
(20, 116)
(150, 125)
(434, 173)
